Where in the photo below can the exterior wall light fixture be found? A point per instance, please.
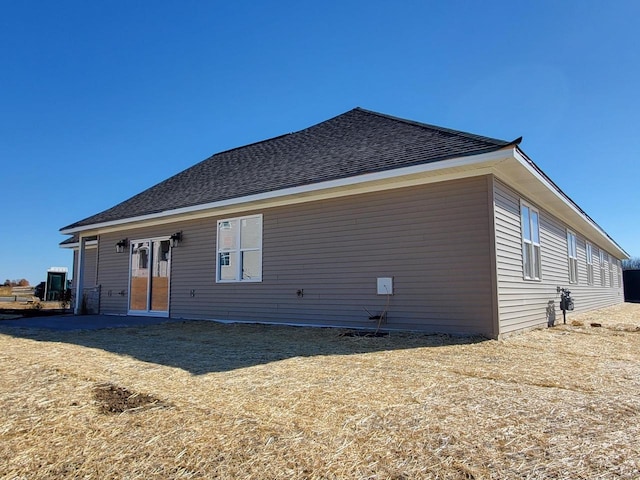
(121, 245)
(176, 238)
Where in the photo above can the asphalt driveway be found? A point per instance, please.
(83, 322)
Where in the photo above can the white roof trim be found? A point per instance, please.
(76, 245)
(498, 162)
(568, 203)
(313, 188)
(553, 188)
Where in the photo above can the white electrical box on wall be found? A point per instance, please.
(385, 285)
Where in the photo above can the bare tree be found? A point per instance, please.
(632, 263)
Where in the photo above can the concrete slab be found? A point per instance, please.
(84, 322)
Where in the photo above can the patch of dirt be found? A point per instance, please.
(114, 399)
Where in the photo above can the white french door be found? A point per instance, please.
(149, 267)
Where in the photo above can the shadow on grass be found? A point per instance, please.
(201, 347)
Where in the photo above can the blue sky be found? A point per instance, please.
(101, 100)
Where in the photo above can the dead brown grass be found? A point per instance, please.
(31, 303)
(256, 402)
(23, 307)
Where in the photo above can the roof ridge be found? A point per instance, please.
(483, 138)
(277, 136)
(244, 146)
(490, 140)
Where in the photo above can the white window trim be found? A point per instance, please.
(526, 244)
(572, 241)
(238, 250)
(589, 253)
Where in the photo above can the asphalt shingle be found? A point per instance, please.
(354, 143)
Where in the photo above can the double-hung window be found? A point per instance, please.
(603, 269)
(239, 249)
(619, 269)
(589, 250)
(530, 225)
(611, 274)
(572, 252)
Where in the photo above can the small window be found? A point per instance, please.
(240, 249)
(589, 250)
(530, 224)
(572, 252)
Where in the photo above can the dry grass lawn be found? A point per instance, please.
(30, 305)
(203, 400)
(23, 304)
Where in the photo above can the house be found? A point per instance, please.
(363, 215)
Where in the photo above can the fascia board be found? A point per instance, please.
(76, 245)
(313, 191)
(576, 215)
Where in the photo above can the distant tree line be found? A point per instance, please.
(23, 282)
(632, 263)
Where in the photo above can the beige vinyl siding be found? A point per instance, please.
(430, 239)
(523, 303)
(433, 240)
(89, 277)
(90, 274)
(74, 271)
(113, 275)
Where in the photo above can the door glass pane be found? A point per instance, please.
(160, 278)
(139, 276)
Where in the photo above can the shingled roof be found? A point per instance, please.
(354, 143)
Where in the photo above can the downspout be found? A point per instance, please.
(80, 274)
(95, 274)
